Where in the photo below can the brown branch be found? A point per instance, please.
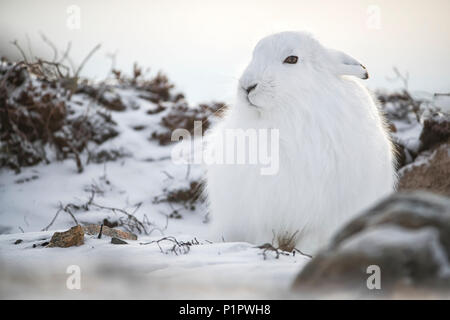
(89, 55)
(16, 44)
(179, 247)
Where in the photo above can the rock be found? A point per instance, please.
(430, 171)
(436, 130)
(72, 237)
(117, 241)
(407, 236)
(18, 241)
(94, 229)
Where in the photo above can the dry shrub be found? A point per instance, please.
(157, 89)
(286, 242)
(103, 96)
(181, 116)
(36, 112)
(187, 197)
(103, 156)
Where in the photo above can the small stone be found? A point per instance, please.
(72, 237)
(18, 241)
(430, 171)
(117, 241)
(94, 229)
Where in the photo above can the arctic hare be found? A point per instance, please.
(335, 155)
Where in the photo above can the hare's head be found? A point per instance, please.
(285, 66)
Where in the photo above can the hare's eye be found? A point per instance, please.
(291, 60)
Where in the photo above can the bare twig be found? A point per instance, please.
(101, 232)
(167, 174)
(404, 78)
(66, 53)
(24, 56)
(302, 253)
(52, 46)
(268, 247)
(178, 247)
(65, 209)
(89, 55)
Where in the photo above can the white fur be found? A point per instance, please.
(336, 158)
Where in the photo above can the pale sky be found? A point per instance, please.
(204, 44)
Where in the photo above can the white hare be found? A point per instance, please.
(335, 155)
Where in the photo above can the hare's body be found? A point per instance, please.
(335, 159)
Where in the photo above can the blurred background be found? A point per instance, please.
(202, 45)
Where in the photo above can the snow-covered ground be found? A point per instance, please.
(30, 200)
(208, 270)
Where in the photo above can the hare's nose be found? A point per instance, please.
(249, 89)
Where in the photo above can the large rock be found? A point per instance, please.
(430, 171)
(407, 237)
(436, 130)
(72, 237)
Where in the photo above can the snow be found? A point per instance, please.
(408, 133)
(29, 201)
(219, 270)
(422, 159)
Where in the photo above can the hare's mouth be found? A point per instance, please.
(247, 98)
(251, 104)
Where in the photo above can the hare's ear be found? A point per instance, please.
(347, 66)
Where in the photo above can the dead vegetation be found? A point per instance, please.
(182, 198)
(102, 95)
(286, 246)
(181, 116)
(36, 112)
(49, 113)
(125, 218)
(177, 247)
(401, 107)
(156, 89)
(41, 122)
(104, 156)
(277, 251)
(185, 196)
